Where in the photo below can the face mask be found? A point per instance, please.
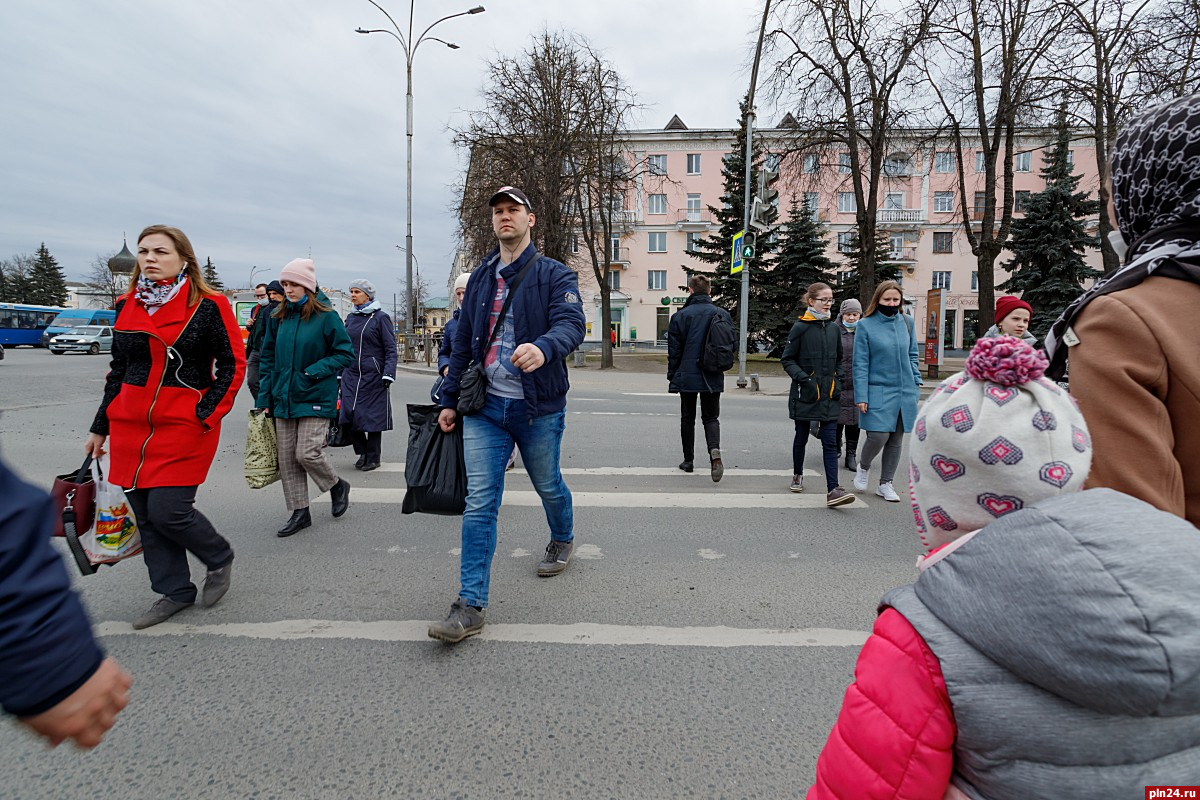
(1118, 245)
(849, 325)
(262, 301)
(888, 311)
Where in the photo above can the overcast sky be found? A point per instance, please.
(268, 129)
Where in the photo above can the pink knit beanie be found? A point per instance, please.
(301, 271)
(992, 440)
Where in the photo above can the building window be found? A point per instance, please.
(658, 242)
(897, 166)
(574, 244)
(693, 208)
(614, 279)
(846, 242)
(941, 280)
(614, 248)
(846, 202)
(1023, 162)
(1021, 201)
(658, 204)
(979, 165)
(812, 163)
(1071, 157)
(812, 204)
(974, 281)
(943, 242)
(656, 280)
(616, 203)
(693, 163)
(943, 162)
(692, 240)
(657, 165)
(980, 204)
(771, 161)
(943, 201)
(844, 163)
(896, 243)
(893, 201)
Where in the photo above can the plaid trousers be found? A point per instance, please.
(302, 454)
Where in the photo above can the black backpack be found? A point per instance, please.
(720, 344)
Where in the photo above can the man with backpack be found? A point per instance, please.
(701, 346)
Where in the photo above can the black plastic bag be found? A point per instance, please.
(434, 469)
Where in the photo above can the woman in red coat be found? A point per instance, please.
(177, 363)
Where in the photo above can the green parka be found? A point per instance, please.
(300, 361)
(811, 358)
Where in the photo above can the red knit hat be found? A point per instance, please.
(1008, 304)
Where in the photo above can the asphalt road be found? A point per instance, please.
(698, 646)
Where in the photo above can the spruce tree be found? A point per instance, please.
(46, 284)
(715, 250)
(885, 270)
(800, 262)
(1047, 267)
(210, 275)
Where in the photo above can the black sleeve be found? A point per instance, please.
(113, 381)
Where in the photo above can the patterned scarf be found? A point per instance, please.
(155, 293)
(1156, 193)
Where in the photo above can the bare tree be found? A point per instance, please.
(1169, 57)
(552, 123)
(846, 67)
(103, 281)
(987, 66)
(14, 277)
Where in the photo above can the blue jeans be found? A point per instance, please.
(828, 449)
(488, 438)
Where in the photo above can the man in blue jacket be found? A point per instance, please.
(526, 394)
(53, 675)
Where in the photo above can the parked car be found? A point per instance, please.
(92, 339)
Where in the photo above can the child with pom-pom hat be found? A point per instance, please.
(1049, 645)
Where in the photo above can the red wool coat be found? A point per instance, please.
(173, 377)
(894, 737)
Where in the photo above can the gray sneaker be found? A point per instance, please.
(216, 584)
(462, 621)
(558, 555)
(163, 609)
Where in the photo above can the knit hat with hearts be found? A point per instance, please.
(992, 440)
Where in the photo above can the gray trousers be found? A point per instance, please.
(301, 456)
(252, 375)
(890, 444)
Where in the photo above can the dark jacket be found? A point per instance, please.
(849, 412)
(811, 358)
(448, 341)
(545, 310)
(300, 361)
(46, 645)
(173, 377)
(364, 395)
(258, 327)
(686, 335)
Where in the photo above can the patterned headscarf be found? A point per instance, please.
(1156, 193)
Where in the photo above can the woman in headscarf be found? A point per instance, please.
(364, 401)
(1132, 340)
(849, 313)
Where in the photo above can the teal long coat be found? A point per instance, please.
(300, 361)
(886, 376)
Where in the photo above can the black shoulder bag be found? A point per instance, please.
(473, 383)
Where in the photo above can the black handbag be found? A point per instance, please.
(338, 434)
(473, 383)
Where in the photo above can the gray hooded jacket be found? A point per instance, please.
(1068, 634)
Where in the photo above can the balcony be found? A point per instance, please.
(617, 257)
(693, 220)
(894, 216)
(900, 255)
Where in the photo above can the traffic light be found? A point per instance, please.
(764, 198)
(748, 246)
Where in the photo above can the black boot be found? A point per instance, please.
(851, 462)
(339, 495)
(300, 520)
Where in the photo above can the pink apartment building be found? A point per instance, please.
(667, 211)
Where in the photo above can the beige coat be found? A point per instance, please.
(1136, 375)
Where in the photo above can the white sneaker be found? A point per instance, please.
(860, 479)
(886, 491)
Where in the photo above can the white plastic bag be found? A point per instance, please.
(113, 535)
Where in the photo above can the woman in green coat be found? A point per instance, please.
(304, 349)
(811, 358)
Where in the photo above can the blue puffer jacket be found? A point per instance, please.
(546, 310)
(46, 645)
(448, 341)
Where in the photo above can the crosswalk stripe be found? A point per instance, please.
(701, 472)
(588, 633)
(712, 499)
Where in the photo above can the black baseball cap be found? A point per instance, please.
(512, 193)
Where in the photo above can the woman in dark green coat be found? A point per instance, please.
(304, 349)
(811, 358)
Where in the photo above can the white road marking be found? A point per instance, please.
(695, 500)
(577, 633)
(588, 552)
(710, 555)
(455, 551)
(647, 394)
(730, 472)
(622, 413)
(520, 552)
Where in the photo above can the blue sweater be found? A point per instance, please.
(546, 310)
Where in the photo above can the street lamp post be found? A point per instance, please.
(410, 45)
(253, 270)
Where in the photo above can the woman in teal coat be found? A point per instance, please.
(886, 381)
(305, 347)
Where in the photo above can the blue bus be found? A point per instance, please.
(74, 318)
(24, 324)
